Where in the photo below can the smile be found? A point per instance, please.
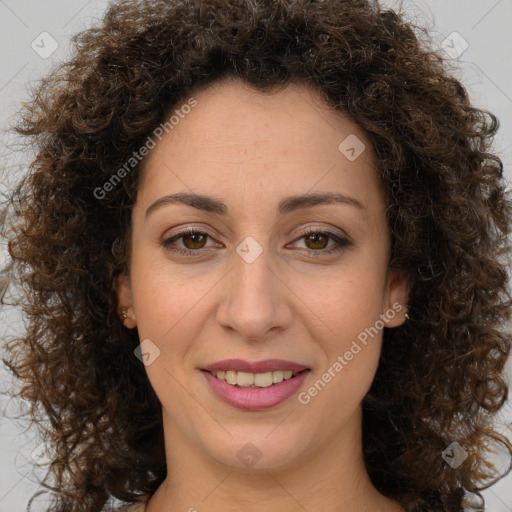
(254, 380)
(257, 391)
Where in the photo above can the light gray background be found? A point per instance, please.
(485, 67)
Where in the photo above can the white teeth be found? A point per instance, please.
(254, 380)
(244, 380)
(263, 380)
(278, 376)
(231, 377)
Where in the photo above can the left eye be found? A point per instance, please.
(316, 242)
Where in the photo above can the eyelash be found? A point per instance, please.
(341, 242)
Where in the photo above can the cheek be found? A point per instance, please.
(167, 310)
(346, 372)
(347, 311)
(344, 303)
(165, 293)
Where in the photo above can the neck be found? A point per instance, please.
(331, 478)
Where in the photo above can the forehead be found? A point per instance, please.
(236, 136)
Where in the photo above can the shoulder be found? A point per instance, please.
(139, 506)
(133, 507)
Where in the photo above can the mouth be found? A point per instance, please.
(265, 387)
(251, 380)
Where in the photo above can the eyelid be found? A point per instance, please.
(324, 229)
(187, 229)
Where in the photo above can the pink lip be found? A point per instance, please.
(255, 399)
(239, 365)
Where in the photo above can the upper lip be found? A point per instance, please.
(268, 365)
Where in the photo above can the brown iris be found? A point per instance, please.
(319, 240)
(196, 240)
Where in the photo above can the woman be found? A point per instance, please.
(264, 248)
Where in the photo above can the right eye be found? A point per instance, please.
(192, 241)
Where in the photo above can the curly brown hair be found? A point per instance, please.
(440, 377)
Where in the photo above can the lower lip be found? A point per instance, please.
(255, 399)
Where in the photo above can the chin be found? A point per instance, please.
(255, 453)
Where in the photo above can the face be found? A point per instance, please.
(284, 258)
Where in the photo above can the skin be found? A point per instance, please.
(251, 150)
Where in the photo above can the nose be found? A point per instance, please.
(255, 301)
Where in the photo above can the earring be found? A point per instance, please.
(407, 317)
(128, 321)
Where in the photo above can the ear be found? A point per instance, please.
(397, 298)
(125, 310)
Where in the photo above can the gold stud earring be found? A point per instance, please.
(407, 317)
(128, 320)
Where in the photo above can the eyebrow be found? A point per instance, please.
(287, 205)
